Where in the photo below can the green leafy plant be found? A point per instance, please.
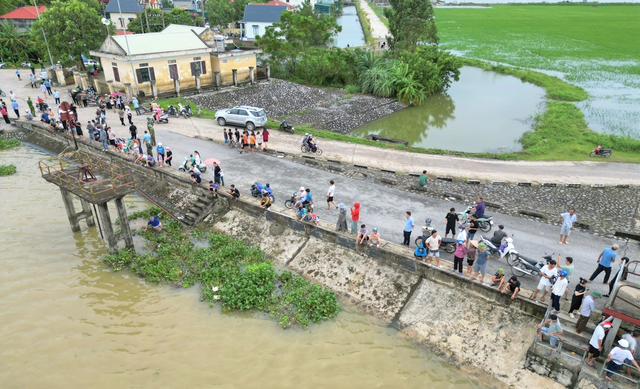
(8, 143)
(7, 170)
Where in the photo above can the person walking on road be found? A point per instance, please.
(355, 217)
(18, 74)
(451, 219)
(136, 106)
(408, 227)
(121, 116)
(14, 105)
(606, 258)
(47, 85)
(588, 306)
(56, 97)
(43, 89)
(330, 194)
(568, 223)
(596, 342)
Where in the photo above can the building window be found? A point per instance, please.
(116, 74)
(173, 72)
(145, 75)
(121, 20)
(256, 30)
(198, 68)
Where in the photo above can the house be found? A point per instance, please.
(290, 7)
(298, 3)
(23, 17)
(121, 15)
(178, 52)
(257, 18)
(192, 5)
(325, 6)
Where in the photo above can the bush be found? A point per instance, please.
(8, 143)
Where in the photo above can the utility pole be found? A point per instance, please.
(133, 72)
(43, 34)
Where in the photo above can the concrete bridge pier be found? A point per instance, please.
(107, 227)
(75, 217)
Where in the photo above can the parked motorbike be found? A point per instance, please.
(485, 223)
(601, 152)
(164, 118)
(286, 127)
(186, 165)
(26, 64)
(172, 111)
(186, 111)
(505, 249)
(257, 190)
(523, 266)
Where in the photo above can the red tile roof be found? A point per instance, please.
(24, 13)
(276, 2)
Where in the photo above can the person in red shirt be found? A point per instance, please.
(355, 217)
(265, 137)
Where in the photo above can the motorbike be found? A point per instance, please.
(172, 111)
(290, 203)
(315, 149)
(485, 223)
(257, 190)
(186, 111)
(447, 244)
(186, 165)
(26, 64)
(164, 118)
(601, 152)
(523, 266)
(286, 127)
(505, 249)
(145, 109)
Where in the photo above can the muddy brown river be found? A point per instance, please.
(66, 321)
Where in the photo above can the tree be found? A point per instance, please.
(73, 28)
(14, 44)
(411, 22)
(157, 20)
(221, 12)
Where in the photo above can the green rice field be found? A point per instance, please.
(594, 46)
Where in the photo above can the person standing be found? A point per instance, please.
(32, 80)
(597, 342)
(578, 296)
(30, 105)
(104, 139)
(18, 74)
(624, 263)
(14, 105)
(547, 273)
(252, 142)
(265, 137)
(451, 220)
(136, 105)
(606, 258)
(112, 138)
(121, 116)
(458, 256)
(226, 136)
(91, 131)
(127, 112)
(217, 170)
(568, 267)
(355, 217)
(33, 70)
(568, 223)
(588, 306)
(433, 244)
(237, 135)
(56, 97)
(3, 111)
(169, 156)
(84, 98)
(473, 226)
(472, 252)
(160, 152)
(47, 85)
(259, 141)
(558, 290)
(632, 338)
(408, 227)
(330, 193)
(341, 224)
(480, 266)
(133, 130)
(146, 138)
(43, 89)
(618, 357)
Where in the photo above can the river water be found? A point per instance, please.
(66, 321)
(483, 112)
(351, 33)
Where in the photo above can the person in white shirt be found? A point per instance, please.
(546, 274)
(330, 194)
(558, 290)
(462, 235)
(433, 244)
(632, 339)
(595, 343)
(618, 357)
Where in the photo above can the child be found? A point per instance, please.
(259, 140)
(160, 160)
(315, 218)
(213, 188)
(355, 217)
(226, 137)
(458, 256)
(568, 267)
(363, 235)
(252, 142)
(235, 193)
(498, 278)
(420, 252)
(374, 238)
(471, 255)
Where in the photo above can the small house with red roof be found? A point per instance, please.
(24, 16)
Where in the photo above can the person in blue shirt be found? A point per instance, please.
(479, 208)
(420, 252)
(56, 96)
(408, 227)
(45, 117)
(155, 223)
(606, 258)
(160, 151)
(301, 212)
(14, 105)
(47, 85)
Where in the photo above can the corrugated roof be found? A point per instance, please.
(24, 13)
(183, 28)
(127, 6)
(277, 2)
(159, 42)
(261, 13)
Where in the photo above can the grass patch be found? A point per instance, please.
(206, 113)
(8, 143)
(7, 170)
(366, 26)
(556, 88)
(237, 276)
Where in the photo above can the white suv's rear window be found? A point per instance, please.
(260, 113)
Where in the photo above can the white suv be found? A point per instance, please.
(242, 115)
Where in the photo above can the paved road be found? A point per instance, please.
(384, 207)
(378, 29)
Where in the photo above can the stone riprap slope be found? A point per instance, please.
(322, 108)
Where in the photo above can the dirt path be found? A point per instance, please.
(378, 29)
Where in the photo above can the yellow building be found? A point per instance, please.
(187, 54)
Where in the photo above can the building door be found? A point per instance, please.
(173, 72)
(116, 74)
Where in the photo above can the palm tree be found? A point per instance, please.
(13, 42)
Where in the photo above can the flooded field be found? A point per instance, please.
(69, 322)
(484, 111)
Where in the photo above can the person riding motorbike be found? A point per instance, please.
(498, 236)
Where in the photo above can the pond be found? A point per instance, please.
(69, 322)
(351, 33)
(483, 112)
